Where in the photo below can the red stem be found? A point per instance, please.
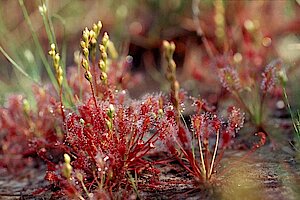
(95, 74)
(61, 105)
(93, 93)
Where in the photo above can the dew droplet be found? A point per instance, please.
(106, 158)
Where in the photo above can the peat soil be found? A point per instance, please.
(265, 174)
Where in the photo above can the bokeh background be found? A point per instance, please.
(261, 30)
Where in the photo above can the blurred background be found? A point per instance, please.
(251, 33)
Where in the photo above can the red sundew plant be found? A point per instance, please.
(212, 136)
(254, 105)
(211, 133)
(107, 138)
(108, 142)
(239, 43)
(237, 51)
(21, 125)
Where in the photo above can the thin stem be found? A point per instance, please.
(134, 183)
(214, 155)
(49, 31)
(207, 154)
(261, 108)
(18, 67)
(184, 165)
(291, 112)
(64, 55)
(61, 104)
(93, 93)
(84, 188)
(201, 155)
(38, 45)
(200, 33)
(242, 103)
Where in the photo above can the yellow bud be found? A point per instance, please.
(176, 86)
(79, 176)
(85, 35)
(103, 77)
(282, 77)
(95, 28)
(92, 34)
(52, 47)
(102, 65)
(111, 111)
(249, 25)
(82, 121)
(56, 58)
(67, 158)
(104, 56)
(51, 52)
(172, 47)
(43, 9)
(105, 39)
(112, 50)
(93, 41)
(166, 45)
(160, 112)
(86, 52)
(109, 124)
(88, 76)
(60, 80)
(67, 170)
(85, 64)
(172, 66)
(60, 71)
(77, 57)
(99, 24)
(83, 44)
(101, 48)
(26, 106)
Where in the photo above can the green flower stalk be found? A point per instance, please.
(58, 75)
(169, 48)
(88, 45)
(103, 61)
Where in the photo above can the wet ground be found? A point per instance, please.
(266, 174)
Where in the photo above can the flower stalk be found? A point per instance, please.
(59, 75)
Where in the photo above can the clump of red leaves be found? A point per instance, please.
(20, 125)
(251, 92)
(200, 150)
(108, 144)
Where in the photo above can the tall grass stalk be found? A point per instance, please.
(295, 121)
(38, 45)
(18, 67)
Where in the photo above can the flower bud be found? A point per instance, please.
(103, 77)
(85, 64)
(105, 39)
(26, 106)
(111, 111)
(85, 52)
(282, 77)
(102, 65)
(88, 76)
